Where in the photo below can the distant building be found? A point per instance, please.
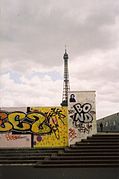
(108, 124)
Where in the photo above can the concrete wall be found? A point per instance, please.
(34, 127)
(49, 126)
(11, 134)
(81, 115)
(10, 140)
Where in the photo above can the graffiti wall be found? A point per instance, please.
(33, 127)
(81, 115)
(13, 129)
(41, 127)
(54, 129)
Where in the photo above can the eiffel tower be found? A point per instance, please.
(66, 80)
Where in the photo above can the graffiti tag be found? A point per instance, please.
(13, 137)
(33, 122)
(82, 113)
(72, 134)
(85, 128)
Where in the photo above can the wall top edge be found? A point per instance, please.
(81, 91)
(31, 107)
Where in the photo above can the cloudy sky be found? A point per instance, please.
(33, 34)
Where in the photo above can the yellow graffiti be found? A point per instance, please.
(16, 118)
(4, 125)
(49, 125)
(58, 122)
(38, 127)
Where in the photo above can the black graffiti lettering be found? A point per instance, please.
(87, 117)
(39, 126)
(86, 107)
(78, 117)
(34, 122)
(17, 119)
(5, 125)
(81, 114)
(85, 128)
(51, 121)
(78, 108)
(71, 111)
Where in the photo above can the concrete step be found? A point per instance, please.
(29, 151)
(89, 154)
(112, 161)
(98, 140)
(73, 150)
(17, 158)
(82, 165)
(104, 136)
(23, 157)
(94, 147)
(81, 161)
(26, 154)
(84, 157)
(91, 166)
(20, 161)
(96, 143)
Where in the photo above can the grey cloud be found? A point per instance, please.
(41, 28)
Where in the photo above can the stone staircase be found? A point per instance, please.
(100, 150)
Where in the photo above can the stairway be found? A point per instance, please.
(100, 150)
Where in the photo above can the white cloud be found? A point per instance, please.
(34, 91)
(32, 39)
(98, 72)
